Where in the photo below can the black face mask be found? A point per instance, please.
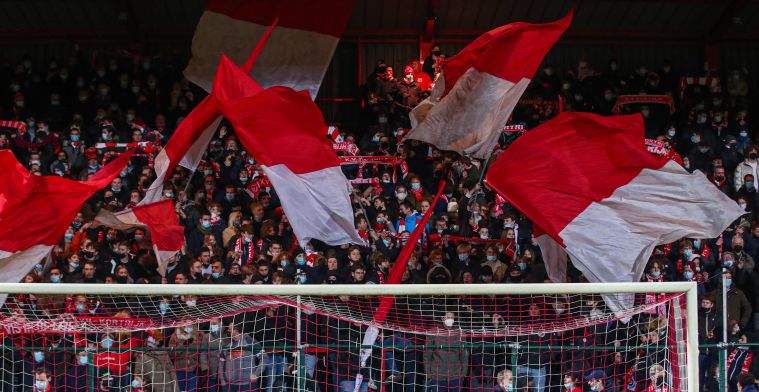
(120, 279)
(738, 248)
(752, 155)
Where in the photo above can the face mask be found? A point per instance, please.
(107, 342)
(38, 267)
(645, 113)
(463, 256)
(743, 134)
(80, 308)
(697, 243)
(671, 133)
(491, 257)
(688, 253)
(522, 266)
(215, 328)
(82, 360)
(400, 195)
(206, 224)
(41, 385)
(163, 308)
(375, 139)
(230, 196)
(718, 119)
(608, 97)
(191, 303)
(728, 282)
(39, 356)
(742, 206)
(728, 263)
(688, 275)
(568, 385)
(243, 180)
(738, 248)
(55, 278)
(215, 275)
(188, 329)
(135, 383)
(300, 260)
(301, 279)
(655, 274)
(595, 388)
(449, 322)
(415, 186)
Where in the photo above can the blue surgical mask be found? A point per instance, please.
(302, 279)
(39, 356)
(83, 360)
(38, 267)
(188, 329)
(107, 343)
(135, 383)
(300, 260)
(728, 282)
(749, 185)
(491, 257)
(688, 252)
(522, 265)
(463, 256)
(728, 263)
(283, 263)
(41, 385)
(215, 275)
(74, 265)
(386, 242)
(380, 220)
(206, 224)
(410, 265)
(415, 186)
(163, 308)
(697, 243)
(568, 385)
(55, 278)
(68, 236)
(656, 274)
(693, 139)
(375, 139)
(215, 328)
(688, 275)
(74, 138)
(80, 308)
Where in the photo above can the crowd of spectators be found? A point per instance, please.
(237, 233)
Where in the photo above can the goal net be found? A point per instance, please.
(330, 338)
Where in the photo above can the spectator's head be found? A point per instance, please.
(217, 269)
(41, 379)
(358, 273)
(88, 270)
(656, 375)
(745, 380)
(570, 381)
(595, 380)
(505, 378)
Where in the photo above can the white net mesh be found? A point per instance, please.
(319, 343)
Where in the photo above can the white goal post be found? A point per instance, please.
(298, 291)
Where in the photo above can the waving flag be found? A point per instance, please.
(298, 160)
(480, 86)
(591, 184)
(161, 221)
(302, 46)
(191, 139)
(36, 210)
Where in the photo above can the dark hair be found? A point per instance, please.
(746, 379)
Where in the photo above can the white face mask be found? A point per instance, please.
(449, 322)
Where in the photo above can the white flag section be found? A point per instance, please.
(554, 258)
(469, 118)
(320, 195)
(300, 49)
(480, 86)
(622, 201)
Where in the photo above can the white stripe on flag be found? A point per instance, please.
(14, 266)
(293, 58)
(469, 118)
(317, 204)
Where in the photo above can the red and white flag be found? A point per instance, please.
(190, 140)
(297, 158)
(302, 46)
(480, 86)
(36, 210)
(162, 223)
(591, 184)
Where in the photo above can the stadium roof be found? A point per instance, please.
(596, 20)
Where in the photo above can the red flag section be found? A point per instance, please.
(26, 198)
(160, 219)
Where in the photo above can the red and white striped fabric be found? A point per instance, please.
(591, 184)
(36, 210)
(20, 125)
(480, 86)
(713, 83)
(301, 48)
(161, 221)
(297, 158)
